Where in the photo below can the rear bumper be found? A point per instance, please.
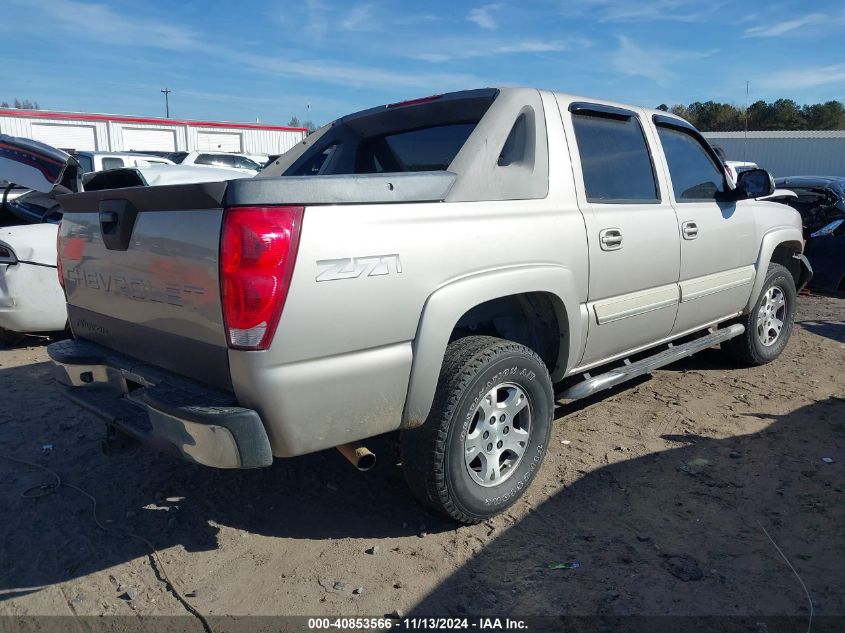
(162, 410)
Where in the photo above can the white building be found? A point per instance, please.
(115, 133)
(804, 153)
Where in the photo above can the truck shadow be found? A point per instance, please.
(834, 330)
(679, 532)
(618, 521)
(15, 340)
(53, 538)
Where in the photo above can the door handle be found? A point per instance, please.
(689, 230)
(611, 239)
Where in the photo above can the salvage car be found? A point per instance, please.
(821, 203)
(431, 267)
(31, 299)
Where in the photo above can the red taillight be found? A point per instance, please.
(257, 253)
(59, 257)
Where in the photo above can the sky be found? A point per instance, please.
(320, 59)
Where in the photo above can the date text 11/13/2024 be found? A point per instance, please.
(417, 624)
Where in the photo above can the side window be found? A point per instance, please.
(110, 162)
(695, 176)
(243, 162)
(206, 159)
(615, 159)
(314, 166)
(515, 149)
(86, 163)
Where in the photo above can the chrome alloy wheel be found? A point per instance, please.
(498, 435)
(771, 315)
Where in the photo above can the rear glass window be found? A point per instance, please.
(426, 149)
(615, 159)
(85, 162)
(112, 163)
(402, 137)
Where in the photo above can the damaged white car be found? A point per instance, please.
(31, 299)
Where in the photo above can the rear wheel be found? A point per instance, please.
(769, 324)
(487, 432)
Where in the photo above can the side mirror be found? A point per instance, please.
(37, 166)
(754, 183)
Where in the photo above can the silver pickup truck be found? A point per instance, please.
(431, 267)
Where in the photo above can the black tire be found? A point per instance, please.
(433, 455)
(748, 350)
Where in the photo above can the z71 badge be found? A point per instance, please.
(354, 267)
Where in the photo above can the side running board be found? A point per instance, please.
(631, 370)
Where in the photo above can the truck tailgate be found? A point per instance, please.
(141, 274)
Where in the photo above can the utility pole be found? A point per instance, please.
(167, 92)
(745, 145)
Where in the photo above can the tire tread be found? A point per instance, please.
(424, 448)
(742, 349)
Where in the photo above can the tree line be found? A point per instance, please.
(308, 125)
(26, 104)
(783, 114)
(707, 116)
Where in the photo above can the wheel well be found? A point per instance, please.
(532, 319)
(784, 255)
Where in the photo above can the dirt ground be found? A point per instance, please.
(662, 491)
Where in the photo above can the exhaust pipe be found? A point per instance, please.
(358, 455)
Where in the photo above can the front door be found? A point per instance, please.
(719, 240)
(632, 231)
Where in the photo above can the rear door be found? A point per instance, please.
(719, 241)
(631, 227)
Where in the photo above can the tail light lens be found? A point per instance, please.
(257, 253)
(59, 271)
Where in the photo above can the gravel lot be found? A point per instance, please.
(662, 491)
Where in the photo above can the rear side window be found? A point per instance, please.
(615, 159)
(317, 163)
(85, 162)
(112, 163)
(425, 149)
(694, 174)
